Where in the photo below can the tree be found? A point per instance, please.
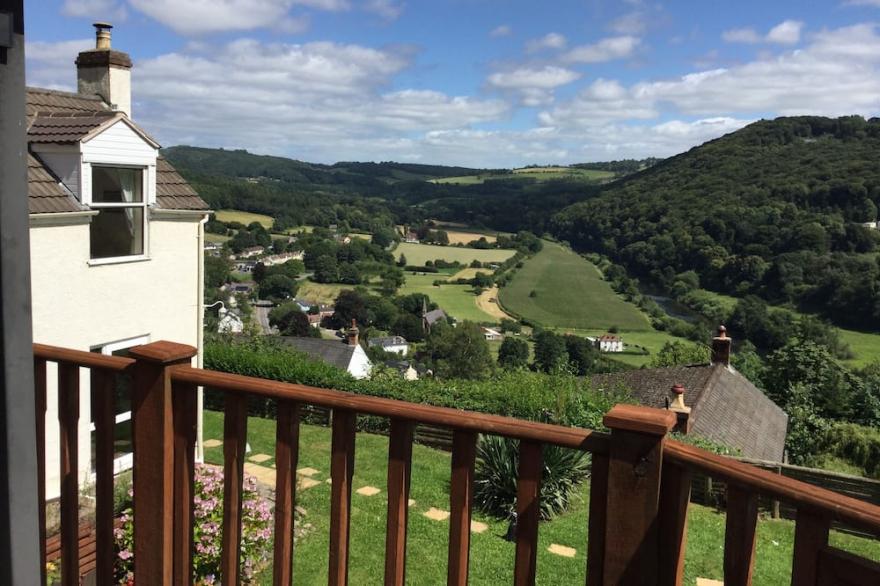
(259, 273)
(349, 274)
(401, 262)
(216, 271)
(459, 352)
(326, 269)
(510, 326)
(550, 352)
(514, 353)
(350, 305)
(290, 320)
(581, 354)
(277, 288)
(408, 326)
(679, 353)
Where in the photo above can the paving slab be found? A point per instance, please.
(260, 458)
(213, 443)
(411, 502)
(478, 527)
(563, 550)
(307, 471)
(708, 582)
(436, 514)
(368, 491)
(305, 483)
(263, 474)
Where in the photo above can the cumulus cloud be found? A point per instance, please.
(502, 30)
(548, 41)
(533, 85)
(607, 49)
(787, 32)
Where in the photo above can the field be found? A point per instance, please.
(488, 302)
(492, 558)
(419, 254)
(244, 218)
(320, 292)
(216, 238)
(536, 173)
(457, 237)
(456, 300)
(469, 273)
(569, 292)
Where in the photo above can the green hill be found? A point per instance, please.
(775, 209)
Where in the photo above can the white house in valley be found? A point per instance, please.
(116, 236)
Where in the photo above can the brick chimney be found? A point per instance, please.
(682, 411)
(721, 347)
(105, 72)
(351, 336)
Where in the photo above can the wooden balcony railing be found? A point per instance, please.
(639, 493)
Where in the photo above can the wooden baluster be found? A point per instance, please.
(739, 536)
(399, 469)
(598, 510)
(341, 473)
(153, 427)
(810, 538)
(286, 457)
(103, 385)
(40, 412)
(675, 493)
(68, 418)
(234, 443)
(528, 511)
(461, 495)
(184, 400)
(635, 462)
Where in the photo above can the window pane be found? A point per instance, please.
(117, 232)
(117, 185)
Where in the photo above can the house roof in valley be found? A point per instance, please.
(387, 341)
(725, 406)
(434, 315)
(334, 352)
(62, 118)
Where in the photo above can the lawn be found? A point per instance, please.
(244, 217)
(569, 292)
(419, 254)
(492, 558)
(216, 238)
(456, 300)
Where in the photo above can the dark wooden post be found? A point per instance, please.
(153, 424)
(632, 550)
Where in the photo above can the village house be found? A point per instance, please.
(492, 335)
(230, 321)
(245, 266)
(346, 354)
(251, 252)
(395, 344)
(609, 343)
(115, 226)
(279, 259)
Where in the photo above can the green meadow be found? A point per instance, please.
(419, 254)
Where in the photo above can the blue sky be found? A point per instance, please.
(483, 83)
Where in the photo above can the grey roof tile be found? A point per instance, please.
(46, 194)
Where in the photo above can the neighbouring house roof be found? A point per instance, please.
(334, 352)
(609, 338)
(725, 406)
(64, 117)
(434, 316)
(387, 341)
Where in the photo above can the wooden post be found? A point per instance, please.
(461, 496)
(739, 536)
(810, 538)
(399, 471)
(675, 495)
(632, 550)
(153, 427)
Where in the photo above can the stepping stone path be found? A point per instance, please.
(305, 483)
(564, 551)
(436, 514)
(478, 527)
(708, 582)
(368, 491)
(213, 443)
(329, 481)
(261, 473)
(260, 458)
(307, 471)
(411, 502)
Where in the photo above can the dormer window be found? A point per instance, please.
(118, 196)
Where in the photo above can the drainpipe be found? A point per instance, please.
(200, 339)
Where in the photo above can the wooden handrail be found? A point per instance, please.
(82, 358)
(568, 437)
(850, 511)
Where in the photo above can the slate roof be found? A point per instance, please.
(434, 316)
(64, 117)
(387, 341)
(334, 352)
(725, 406)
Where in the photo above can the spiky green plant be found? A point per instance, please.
(496, 473)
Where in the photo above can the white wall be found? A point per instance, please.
(360, 365)
(79, 306)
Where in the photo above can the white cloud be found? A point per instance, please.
(95, 9)
(631, 23)
(534, 86)
(387, 9)
(607, 49)
(548, 41)
(502, 30)
(787, 32)
(602, 102)
(328, 5)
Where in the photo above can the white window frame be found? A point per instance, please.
(143, 204)
(126, 461)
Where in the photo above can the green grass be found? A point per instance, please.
(217, 238)
(320, 292)
(652, 340)
(244, 217)
(569, 293)
(456, 300)
(419, 254)
(492, 558)
(536, 173)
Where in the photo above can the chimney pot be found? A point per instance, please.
(102, 35)
(721, 347)
(352, 337)
(678, 401)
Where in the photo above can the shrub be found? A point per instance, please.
(256, 531)
(496, 474)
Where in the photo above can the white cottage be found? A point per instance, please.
(116, 235)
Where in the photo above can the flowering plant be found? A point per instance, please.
(256, 532)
